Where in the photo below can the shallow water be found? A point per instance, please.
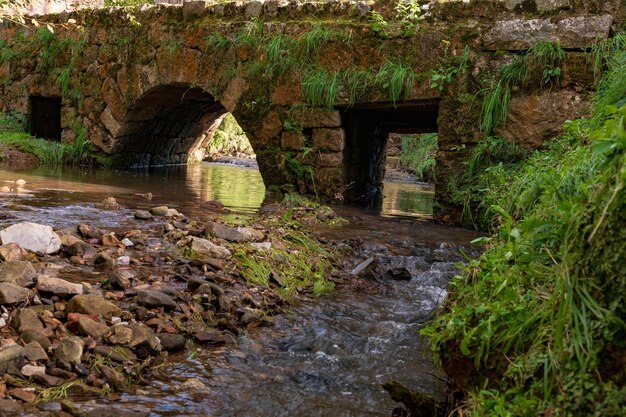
(329, 355)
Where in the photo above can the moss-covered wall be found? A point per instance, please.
(149, 83)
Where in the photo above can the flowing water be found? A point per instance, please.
(329, 355)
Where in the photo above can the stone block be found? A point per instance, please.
(193, 8)
(541, 6)
(328, 180)
(333, 159)
(329, 139)
(109, 122)
(292, 141)
(253, 9)
(572, 32)
(312, 118)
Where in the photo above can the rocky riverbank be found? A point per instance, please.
(87, 311)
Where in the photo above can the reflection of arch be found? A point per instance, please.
(168, 124)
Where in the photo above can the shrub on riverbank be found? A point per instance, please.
(537, 324)
(419, 152)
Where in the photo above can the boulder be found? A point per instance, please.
(32, 335)
(11, 408)
(92, 304)
(171, 342)
(142, 215)
(83, 249)
(27, 319)
(34, 237)
(18, 272)
(70, 350)
(34, 352)
(14, 294)
(155, 299)
(203, 248)
(232, 234)
(159, 211)
(91, 328)
(58, 286)
(114, 378)
(134, 336)
(13, 355)
(120, 279)
(11, 252)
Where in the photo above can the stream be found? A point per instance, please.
(327, 356)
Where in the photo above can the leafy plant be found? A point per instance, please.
(419, 152)
(444, 74)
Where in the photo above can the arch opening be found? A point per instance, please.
(367, 129)
(169, 124)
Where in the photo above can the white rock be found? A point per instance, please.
(262, 246)
(115, 320)
(127, 242)
(3, 323)
(30, 370)
(32, 236)
(58, 286)
(123, 260)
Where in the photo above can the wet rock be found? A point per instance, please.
(104, 260)
(398, 274)
(18, 272)
(110, 203)
(82, 249)
(24, 394)
(120, 279)
(71, 408)
(109, 239)
(210, 338)
(192, 384)
(119, 354)
(34, 352)
(33, 237)
(204, 248)
(115, 378)
(232, 234)
(135, 336)
(14, 294)
(155, 299)
(27, 319)
(70, 350)
(89, 232)
(91, 328)
(159, 211)
(11, 356)
(213, 205)
(58, 286)
(365, 268)
(30, 335)
(171, 342)
(10, 408)
(92, 304)
(142, 215)
(418, 404)
(11, 252)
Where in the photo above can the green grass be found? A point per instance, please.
(419, 152)
(302, 264)
(542, 313)
(356, 83)
(397, 79)
(314, 40)
(320, 88)
(50, 153)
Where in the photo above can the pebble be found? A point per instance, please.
(127, 242)
(30, 370)
(123, 260)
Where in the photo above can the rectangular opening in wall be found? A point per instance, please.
(45, 117)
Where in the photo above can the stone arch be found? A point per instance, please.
(168, 124)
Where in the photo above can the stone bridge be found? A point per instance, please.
(317, 87)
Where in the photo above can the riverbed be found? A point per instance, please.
(327, 355)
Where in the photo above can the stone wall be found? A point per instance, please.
(148, 85)
(41, 7)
